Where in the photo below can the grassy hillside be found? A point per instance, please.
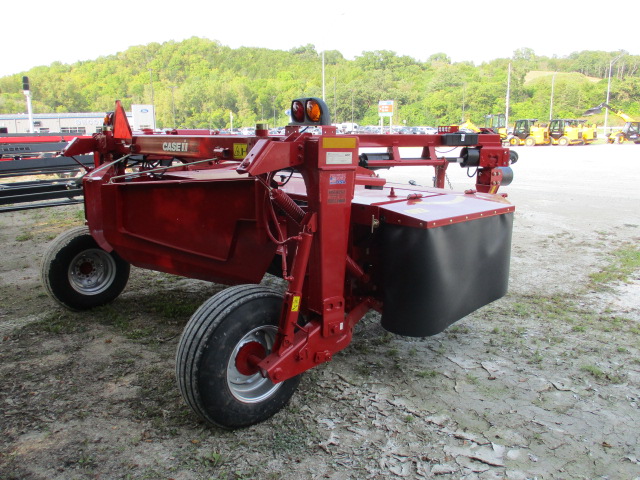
(202, 83)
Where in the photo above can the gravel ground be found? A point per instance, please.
(544, 383)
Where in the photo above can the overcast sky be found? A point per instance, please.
(40, 32)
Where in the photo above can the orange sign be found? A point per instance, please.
(385, 108)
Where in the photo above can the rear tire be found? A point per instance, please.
(563, 141)
(78, 274)
(530, 141)
(214, 374)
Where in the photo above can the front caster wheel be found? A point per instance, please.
(217, 356)
(78, 274)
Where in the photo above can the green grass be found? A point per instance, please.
(48, 223)
(600, 375)
(427, 373)
(59, 323)
(23, 237)
(474, 380)
(458, 329)
(593, 371)
(623, 263)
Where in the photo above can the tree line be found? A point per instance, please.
(200, 83)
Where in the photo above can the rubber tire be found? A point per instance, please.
(514, 141)
(205, 350)
(55, 271)
(564, 141)
(530, 141)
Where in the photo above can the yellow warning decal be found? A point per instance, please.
(239, 150)
(295, 305)
(338, 142)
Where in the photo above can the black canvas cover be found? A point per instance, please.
(434, 277)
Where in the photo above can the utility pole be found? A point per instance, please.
(606, 110)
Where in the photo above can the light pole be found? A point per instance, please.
(464, 94)
(173, 104)
(323, 99)
(151, 83)
(606, 110)
(27, 93)
(506, 108)
(553, 83)
(335, 101)
(273, 101)
(351, 108)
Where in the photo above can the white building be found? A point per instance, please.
(142, 116)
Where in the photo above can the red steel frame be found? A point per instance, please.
(314, 240)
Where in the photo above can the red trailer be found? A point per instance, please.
(309, 207)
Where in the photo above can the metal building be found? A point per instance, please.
(141, 116)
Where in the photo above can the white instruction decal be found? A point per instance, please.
(339, 158)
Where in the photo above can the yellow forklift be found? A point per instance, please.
(589, 132)
(529, 132)
(569, 131)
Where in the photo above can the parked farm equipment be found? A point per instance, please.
(34, 155)
(310, 207)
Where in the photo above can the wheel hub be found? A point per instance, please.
(86, 268)
(244, 379)
(249, 355)
(91, 272)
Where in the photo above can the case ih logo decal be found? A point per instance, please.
(175, 146)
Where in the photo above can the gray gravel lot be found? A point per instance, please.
(544, 383)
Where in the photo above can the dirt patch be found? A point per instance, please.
(535, 74)
(543, 383)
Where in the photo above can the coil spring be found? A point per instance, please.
(286, 203)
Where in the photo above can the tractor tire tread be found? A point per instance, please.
(51, 256)
(194, 340)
